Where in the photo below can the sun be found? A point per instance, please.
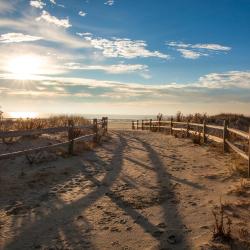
(24, 67)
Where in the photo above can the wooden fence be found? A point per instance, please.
(98, 129)
(202, 130)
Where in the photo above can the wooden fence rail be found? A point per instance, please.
(203, 130)
(99, 129)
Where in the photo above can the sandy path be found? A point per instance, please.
(140, 190)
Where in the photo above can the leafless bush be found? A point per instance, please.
(196, 138)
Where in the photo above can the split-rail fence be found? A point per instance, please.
(203, 130)
(98, 128)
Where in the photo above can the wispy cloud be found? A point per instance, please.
(51, 33)
(205, 87)
(6, 6)
(186, 53)
(231, 79)
(228, 92)
(55, 3)
(82, 13)
(112, 69)
(123, 47)
(82, 34)
(46, 16)
(17, 38)
(110, 2)
(211, 46)
(194, 51)
(37, 4)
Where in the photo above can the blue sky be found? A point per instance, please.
(124, 56)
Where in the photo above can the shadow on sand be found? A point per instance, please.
(62, 215)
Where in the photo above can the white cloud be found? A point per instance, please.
(54, 20)
(84, 34)
(211, 46)
(51, 33)
(212, 93)
(178, 44)
(17, 38)
(226, 91)
(37, 4)
(110, 2)
(112, 69)
(123, 47)
(186, 53)
(82, 13)
(55, 3)
(206, 46)
(194, 51)
(231, 79)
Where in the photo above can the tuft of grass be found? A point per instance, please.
(82, 146)
(237, 167)
(222, 225)
(240, 188)
(196, 138)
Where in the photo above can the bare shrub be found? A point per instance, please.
(196, 138)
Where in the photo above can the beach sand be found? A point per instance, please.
(137, 190)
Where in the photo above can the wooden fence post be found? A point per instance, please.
(204, 131)
(188, 128)
(142, 124)
(171, 126)
(103, 125)
(95, 129)
(249, 154)
(159, 124)
(71, 136)
(137, 124)
(225, 136)
(133, 125)
(150, 125)
(106, 125)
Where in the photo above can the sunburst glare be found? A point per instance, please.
(25, 67)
